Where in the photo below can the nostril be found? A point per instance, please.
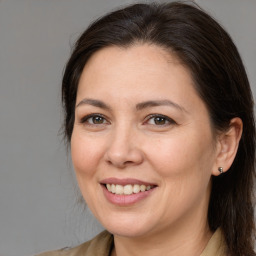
(128, 163)
(121, 164)
(123, 156)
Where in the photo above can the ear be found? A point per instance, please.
(227, 145)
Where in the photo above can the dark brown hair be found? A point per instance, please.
(206, 49)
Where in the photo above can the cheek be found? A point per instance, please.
(183, 155)
(184, 164)
(85, 155)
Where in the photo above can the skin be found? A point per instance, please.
(179, 154)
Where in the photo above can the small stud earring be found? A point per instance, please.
(220, 169)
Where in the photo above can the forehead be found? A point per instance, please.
(142, 67)
(143, 52)
(122, 78)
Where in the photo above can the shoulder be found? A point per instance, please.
(216, 246)
(98, 246)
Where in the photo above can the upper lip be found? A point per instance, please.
(126, 181)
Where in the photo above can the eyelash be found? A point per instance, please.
(86, 118)
(165, 118)
(148, 118)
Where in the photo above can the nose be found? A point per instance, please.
(124, 149)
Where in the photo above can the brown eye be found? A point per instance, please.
(97, 120)
(160, 120)
(94, 119)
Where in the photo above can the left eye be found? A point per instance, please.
(159, 120)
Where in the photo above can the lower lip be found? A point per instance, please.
(126, 200)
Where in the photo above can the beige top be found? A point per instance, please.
(102, 244)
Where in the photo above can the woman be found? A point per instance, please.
(159, 117)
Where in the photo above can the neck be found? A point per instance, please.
(187, 236)
(178, 243)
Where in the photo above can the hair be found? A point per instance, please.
(220, 79)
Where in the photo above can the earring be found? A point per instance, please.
(220, 169)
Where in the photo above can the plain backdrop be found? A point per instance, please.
(39, 200)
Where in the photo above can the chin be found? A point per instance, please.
(127, 227)
(125, 231)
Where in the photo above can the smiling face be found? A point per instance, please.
(139, 124)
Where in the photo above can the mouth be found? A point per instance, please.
(127, 189)
(124, 192)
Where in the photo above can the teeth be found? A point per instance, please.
(127, 189)
(142, 188)
(113, 188)
(119, 189)
(136, 189)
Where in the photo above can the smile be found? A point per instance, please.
(126, 192)
(127, 189)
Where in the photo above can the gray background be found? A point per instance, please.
(39, 208)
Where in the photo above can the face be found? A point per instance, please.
(142, 144)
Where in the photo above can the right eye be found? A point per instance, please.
(94, 119)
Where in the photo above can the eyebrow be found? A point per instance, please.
(156, 103)
(93, 102)
(139, 106)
